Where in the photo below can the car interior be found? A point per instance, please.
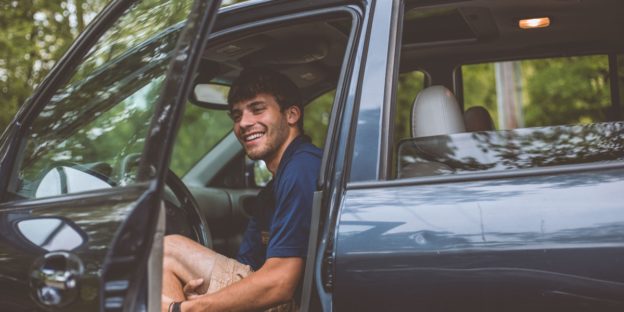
(223, 181)
(446, 46)
(440, 41)
(469, 35)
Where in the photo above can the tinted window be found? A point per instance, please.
(98, 121)
(511, 149)
(550, 112)
(200, 131)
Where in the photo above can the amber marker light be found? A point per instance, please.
(531, 23)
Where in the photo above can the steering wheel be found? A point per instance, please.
(182, 211)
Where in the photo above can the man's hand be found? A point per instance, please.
(275, 282)
(191, 289)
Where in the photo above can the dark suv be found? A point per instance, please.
(473, 153)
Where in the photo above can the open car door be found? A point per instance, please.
(84, 164)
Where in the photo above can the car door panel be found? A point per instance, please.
(516, 244)
(121, 221)
(97, 217)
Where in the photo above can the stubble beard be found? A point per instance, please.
(275, 137)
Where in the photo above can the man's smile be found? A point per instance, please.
(253, 136)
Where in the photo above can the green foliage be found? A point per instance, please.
(103, 113)
(409, 84)
(35, 33)
(480, 88)
(317, 118)
(200, 131)
(555, 91)
(566, 90)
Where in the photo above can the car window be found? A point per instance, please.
(541, 92)
(316, 117)
(409, 84)
(200, 131)
(97, 122)
(500, 115)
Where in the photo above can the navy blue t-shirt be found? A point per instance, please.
(280, 222)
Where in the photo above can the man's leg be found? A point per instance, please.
(185, 260)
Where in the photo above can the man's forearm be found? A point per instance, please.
(274, 283)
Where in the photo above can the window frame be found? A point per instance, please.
(390, 180)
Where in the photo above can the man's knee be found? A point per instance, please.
(173, 244)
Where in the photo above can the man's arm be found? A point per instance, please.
(275, 282)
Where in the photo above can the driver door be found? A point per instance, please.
(83, 165)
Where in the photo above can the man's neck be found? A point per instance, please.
(272, 162)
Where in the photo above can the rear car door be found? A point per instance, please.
(83, 164)
(511, 220)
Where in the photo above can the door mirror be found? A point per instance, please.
(211, 95)
(65, 179)
(51, 234)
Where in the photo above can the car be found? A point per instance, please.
(473, 153)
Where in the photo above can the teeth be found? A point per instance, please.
(253, 136)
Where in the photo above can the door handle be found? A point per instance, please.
(54, 278)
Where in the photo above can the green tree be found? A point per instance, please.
(34, 34)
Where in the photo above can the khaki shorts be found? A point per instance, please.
(227, 271)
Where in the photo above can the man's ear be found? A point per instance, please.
(293, 114)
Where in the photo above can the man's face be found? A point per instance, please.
(260, 126)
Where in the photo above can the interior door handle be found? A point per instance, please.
(54, 278)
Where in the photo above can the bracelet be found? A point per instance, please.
(169, 308)
(176, 306)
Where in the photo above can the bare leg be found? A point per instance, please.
(185, 260)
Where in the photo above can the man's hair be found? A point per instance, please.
(254, 81)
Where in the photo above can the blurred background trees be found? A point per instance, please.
(34, 34)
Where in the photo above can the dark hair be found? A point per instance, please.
(254, 81)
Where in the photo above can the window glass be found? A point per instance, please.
(316, 118)
(200, 131)
(542, 92)
(408, 86)
(98, 121)
(549, 112)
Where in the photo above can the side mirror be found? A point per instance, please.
(51, 233)
(65, 179)
(210, 95)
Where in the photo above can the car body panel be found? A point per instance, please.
(512, 244)
(96, 216)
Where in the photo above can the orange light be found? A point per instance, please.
(530, 23)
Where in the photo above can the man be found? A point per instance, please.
(268, 119)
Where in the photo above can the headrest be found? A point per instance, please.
(477, 118)
(436, 112)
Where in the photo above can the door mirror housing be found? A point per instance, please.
(70, 179)
(210, 95)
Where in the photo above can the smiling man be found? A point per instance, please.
(268, 121)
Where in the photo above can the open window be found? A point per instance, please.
(310, 50)
(500, 97)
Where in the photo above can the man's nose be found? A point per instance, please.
(247, 120)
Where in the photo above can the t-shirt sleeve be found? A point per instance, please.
(290, 226)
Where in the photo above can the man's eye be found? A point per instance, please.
(235, 117)
(257, 110)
